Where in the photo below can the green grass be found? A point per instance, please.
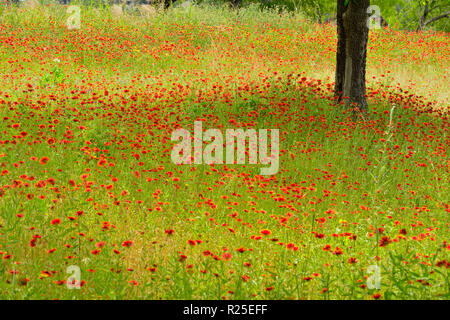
(103, 116)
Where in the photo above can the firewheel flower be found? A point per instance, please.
(55, 221)
(44, 160)
(127, 243)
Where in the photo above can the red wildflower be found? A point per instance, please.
(44, 160)
(384, 241)
(127, 243)
(226, 256)
(55, 221)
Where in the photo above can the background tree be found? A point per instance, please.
(429, 9)
(236, 3)
(353, 32)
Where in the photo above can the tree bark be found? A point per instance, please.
(340, 52)
(353, 32)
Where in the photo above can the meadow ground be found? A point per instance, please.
(87, 182)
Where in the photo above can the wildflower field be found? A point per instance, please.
(88, 187)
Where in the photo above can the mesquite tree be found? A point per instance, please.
(353, 32)
(430, 7)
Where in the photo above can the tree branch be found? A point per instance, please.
(433, 5)
(445, 15)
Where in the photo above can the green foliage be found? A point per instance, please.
(408, 12)
(54, 77)
(402, 14)
(399, 14)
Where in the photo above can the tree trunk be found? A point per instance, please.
(236, 3)
(423, 17)
(340, 53)
(353, 32)
(167, 3)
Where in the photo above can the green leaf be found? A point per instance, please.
(346, 2)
